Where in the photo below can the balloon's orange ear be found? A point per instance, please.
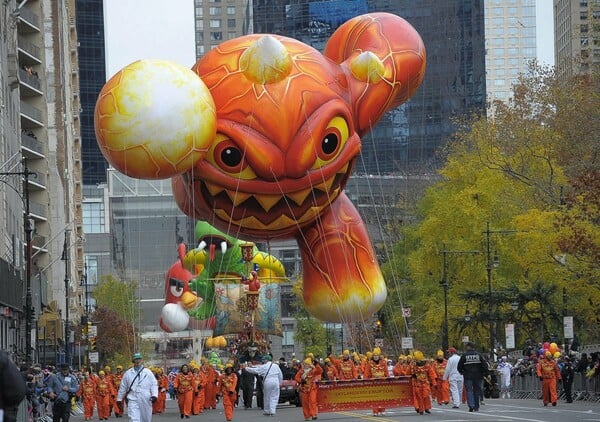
(384, 58)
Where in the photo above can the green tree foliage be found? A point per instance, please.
(530, 171)
(116, 335)
(309, 331)
(116, 316)
(119, 296)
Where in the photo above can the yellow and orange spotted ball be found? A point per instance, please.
(154, 119)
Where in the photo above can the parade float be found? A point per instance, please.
(227, 286)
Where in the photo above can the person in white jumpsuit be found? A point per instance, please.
(505, 369)
(140, 389)
(454, 378)
(272, 378)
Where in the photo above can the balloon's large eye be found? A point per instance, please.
(176, 287)
(229, 158)
(330, 142)
(334, 138)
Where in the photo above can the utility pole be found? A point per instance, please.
(444, 284)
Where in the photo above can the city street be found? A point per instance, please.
(493, 410)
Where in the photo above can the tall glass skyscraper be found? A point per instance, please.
(92, 64)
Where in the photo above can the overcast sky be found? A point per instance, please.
(156, 29)
(544, 23)
(148, 29)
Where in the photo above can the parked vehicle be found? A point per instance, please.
(288, 392)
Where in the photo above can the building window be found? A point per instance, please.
(289, 302)
(528, 11)
(199, 37)
(216, 36)
(93, 217)
(199, 24)
(231, 35)
(290, 258)
(91, 270)
(214, 11)
(199, 12)
(231, 10)
(230, 23)
(215, 23)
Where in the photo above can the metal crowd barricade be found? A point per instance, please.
(529, 387)
(526, 386)
(585, 388)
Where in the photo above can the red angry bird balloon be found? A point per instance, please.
(179, 298)
(287, 134)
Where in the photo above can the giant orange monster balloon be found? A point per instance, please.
(286, 136)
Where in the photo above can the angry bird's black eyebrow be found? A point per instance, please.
(175, 282)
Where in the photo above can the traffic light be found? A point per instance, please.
(378, 328)
(89, 327)
(92, 344)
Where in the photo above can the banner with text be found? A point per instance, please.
(335, 396)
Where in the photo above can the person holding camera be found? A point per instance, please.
(139, 389)
(61, 388)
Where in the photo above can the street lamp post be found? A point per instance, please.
(444, 284)
(28, 228)
(65, 257)
(491, 263)
(87, 318)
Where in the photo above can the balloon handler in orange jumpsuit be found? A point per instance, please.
(104, 390)
(184, 385)
(87, 393)
(423, 379)
(163, 386)
(441, 391)
(346, 368)
(199, 391)
(548, 372)
(228, 383)
(376, 367)
(307, 378)
(116, 379)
